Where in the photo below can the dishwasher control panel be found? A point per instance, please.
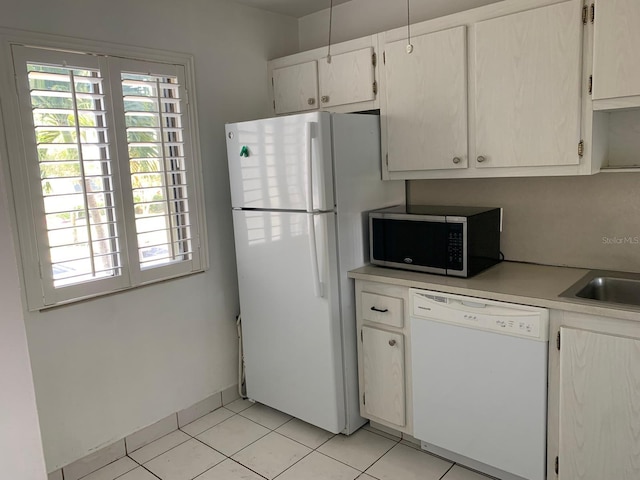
(500, 317)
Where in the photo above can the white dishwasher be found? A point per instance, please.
(479, 372)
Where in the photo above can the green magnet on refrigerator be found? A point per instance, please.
(244, 151)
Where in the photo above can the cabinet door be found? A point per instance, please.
(527, 87)
(347, 79)
(383, 371)
(616, 64)
(295, 88)
(426, 102)
(599, 406)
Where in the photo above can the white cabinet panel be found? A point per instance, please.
(616, 64)
(347, 79)
(295, 88)
(383, 309)
(599, 406)
(426, 102)
(383, 368)
(307, 81)
(527, 87)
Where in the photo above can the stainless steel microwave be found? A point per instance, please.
(460, 241)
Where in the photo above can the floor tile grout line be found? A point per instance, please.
(265, 426)
(379, 458)
(233, 415)
(142, 466)
(448, 470)
(295, 463)
(248, 468)
(217, 451)
(340, 461)
(177, 445)
(304, 445)
(105, 466)
(383, 434)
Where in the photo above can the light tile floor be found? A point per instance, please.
(246, 441)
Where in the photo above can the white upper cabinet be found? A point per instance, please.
(348, 78)
(307, 81)
(527, 87)
(295, 88)
(425, 102)
(616, 62)
(496, 91)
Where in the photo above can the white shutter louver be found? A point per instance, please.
(152, 108)
(72, 141)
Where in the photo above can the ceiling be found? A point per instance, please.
(293, 8)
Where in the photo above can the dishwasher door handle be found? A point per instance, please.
(466, 303)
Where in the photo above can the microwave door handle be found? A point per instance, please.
(309, 157)
(313, 253)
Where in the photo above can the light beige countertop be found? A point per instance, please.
(524, 283)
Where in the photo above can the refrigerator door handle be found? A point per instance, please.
(309, 154)
(313, 249)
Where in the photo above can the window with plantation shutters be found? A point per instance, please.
(109, 166)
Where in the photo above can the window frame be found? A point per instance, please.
(28, 211)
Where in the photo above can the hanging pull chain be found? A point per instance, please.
(409, 46)
(330, 19)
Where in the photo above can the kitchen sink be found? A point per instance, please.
(618, 288)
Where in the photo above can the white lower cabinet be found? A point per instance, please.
(383, 355)
(594, 427)
(599, 406)
(383, 375)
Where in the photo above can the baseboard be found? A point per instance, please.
(144, 436)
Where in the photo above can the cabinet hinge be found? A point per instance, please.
(581, 148)
(374, 59)
(375, 87)
(590, 84)
(593, 12)
(585, 14)
(556, 467)
(558, 347)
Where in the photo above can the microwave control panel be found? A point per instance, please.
(455, 246)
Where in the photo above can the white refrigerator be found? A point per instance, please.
(300, 189)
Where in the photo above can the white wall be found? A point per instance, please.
(107, 367)
(359, 18)
(21, 455)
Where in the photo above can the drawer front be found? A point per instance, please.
(382, 309)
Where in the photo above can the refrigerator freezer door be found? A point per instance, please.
(281, 163)
(291, 328)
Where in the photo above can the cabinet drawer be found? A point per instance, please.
(382, 309)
